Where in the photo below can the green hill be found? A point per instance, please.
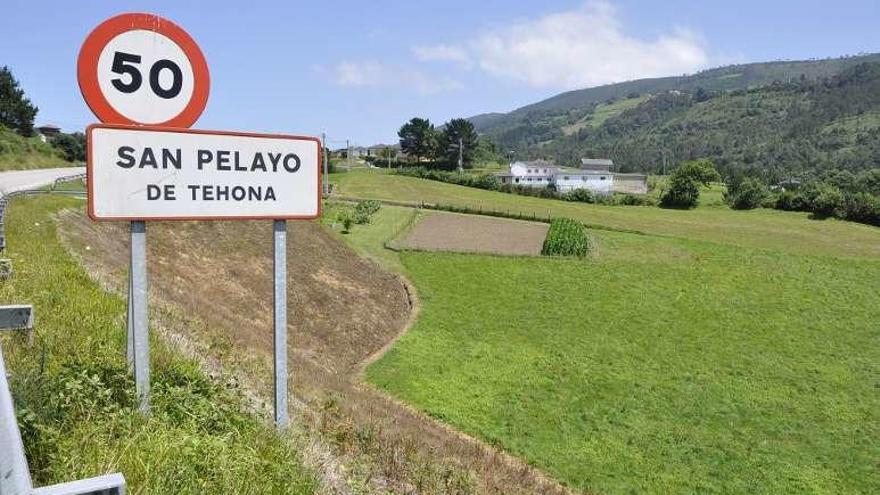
(780, 117)
(20, 153)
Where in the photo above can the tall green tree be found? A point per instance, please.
(683, 190)
(418, 138)
(458, 132)
(16, 111)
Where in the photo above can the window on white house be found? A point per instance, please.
(584, 178)
(529, 179)
(602, 178)
(517, 180)
(566, 177)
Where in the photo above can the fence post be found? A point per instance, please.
(15, 478)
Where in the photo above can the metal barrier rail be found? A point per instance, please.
(4, 201)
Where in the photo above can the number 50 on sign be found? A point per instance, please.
(144, 70)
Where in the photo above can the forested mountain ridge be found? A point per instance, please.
(779, 119)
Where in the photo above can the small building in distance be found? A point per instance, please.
(47, 131)
(623, 183)
(593, 174)
(529, 173)
(541, 173)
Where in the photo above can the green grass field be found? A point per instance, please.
(75, 401)
(716, 370)
(696, 361)
(771, 229)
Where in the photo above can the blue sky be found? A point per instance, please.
(358, 70)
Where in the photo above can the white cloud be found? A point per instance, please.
(371, 73)
(574, 49)
(447, 53)
(365, 73)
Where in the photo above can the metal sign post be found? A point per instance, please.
(138, 334)
(147, 80)
(324, 164)
(279, 228)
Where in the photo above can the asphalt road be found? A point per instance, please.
(22, 180)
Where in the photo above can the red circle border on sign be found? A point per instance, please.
(87, 63)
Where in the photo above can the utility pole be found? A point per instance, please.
(324, 161)
(460, 156)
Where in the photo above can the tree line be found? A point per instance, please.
(17, 113)
(431, 147)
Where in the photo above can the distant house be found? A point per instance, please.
(47, 131)
(532, 173)
(593, 174)
(540, 173)
(379, 150)
(356, 152)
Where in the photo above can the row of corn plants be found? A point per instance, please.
(567, 237)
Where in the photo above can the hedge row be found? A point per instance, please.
(490, 182)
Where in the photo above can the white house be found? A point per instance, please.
(540, 173)
(47, 131)
(596, 181)
(533, 173)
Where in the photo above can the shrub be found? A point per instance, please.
(862, 207)
(824, 200)
(682, 193)
(566, 237)
(685, 182)
(364, 210)
(789, 201)
(580, 195)
(746, 194)
(346, 219)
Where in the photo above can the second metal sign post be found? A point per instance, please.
(147, 80)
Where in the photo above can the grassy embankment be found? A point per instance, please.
(75, 400)
(687, 362)
(20, 153)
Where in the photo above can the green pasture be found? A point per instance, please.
(783, 231)
(695, 361)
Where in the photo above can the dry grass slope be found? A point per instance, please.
(343, 310)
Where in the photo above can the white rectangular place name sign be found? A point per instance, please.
(155, 173)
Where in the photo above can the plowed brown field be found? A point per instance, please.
(439, 231)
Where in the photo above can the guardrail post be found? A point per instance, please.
(15, 477)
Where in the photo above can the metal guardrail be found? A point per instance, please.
(15, 476)
(4, 201)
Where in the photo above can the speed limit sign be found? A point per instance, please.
(141, 69)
